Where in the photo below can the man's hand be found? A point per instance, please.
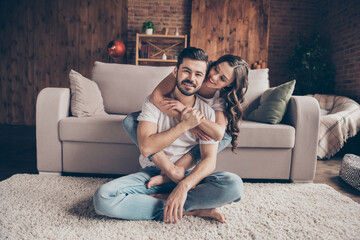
(191, 117)
(175, 203)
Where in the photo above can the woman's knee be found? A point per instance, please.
(130, 125)
(130, 120)
(227, 137)
(225, 141)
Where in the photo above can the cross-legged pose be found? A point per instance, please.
(201, 190)
(223, 90)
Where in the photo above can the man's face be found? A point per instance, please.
(190, 76)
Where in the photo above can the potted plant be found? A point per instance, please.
(310, 64)
(149, 27)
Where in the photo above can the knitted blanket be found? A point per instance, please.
(339, 120)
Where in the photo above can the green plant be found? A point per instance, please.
(310, 64)
(148, 24)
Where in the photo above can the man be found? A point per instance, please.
(201, 190)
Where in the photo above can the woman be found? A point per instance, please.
(223, 89)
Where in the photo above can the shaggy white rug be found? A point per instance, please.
(53, 207)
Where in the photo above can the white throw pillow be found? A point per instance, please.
(86, 99)
(258, 84)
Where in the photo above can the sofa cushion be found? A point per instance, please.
(105, 129)
(109, 130)
(262, 135)
(258, 83)
(124, 87)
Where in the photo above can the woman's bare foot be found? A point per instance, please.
(209, 213)
(157, 180)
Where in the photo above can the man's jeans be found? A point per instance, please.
(128, 198)
(130, 125)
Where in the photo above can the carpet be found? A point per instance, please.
(55, 207)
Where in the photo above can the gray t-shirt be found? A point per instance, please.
(185, 142)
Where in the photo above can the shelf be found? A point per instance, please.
(158, 45)
(156, 60)
(161, 36)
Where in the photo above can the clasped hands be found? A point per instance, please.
(192, 117)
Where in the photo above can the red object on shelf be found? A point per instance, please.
(116, 49)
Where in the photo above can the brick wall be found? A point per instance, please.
(338, 20)
(164, 13)
(340, 23)
(287, 20)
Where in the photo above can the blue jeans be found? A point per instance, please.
(130, 125)
(128, 198)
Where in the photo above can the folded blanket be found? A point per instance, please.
(341, 122)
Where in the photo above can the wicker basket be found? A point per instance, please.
(350, 170)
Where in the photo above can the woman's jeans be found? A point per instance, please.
(130, 125)
(128, 197)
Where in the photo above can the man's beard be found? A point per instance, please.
(179, 86)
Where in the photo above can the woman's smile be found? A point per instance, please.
(210, 82)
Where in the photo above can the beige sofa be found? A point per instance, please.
(99, 144)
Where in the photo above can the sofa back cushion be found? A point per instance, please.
(258, 84)
(124, 87)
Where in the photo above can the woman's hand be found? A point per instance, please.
(200, 134)
(172, 104)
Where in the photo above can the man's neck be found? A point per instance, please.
(188, 101)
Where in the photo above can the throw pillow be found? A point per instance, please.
(86, 99)
(273, 104)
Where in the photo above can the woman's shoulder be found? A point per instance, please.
(216, 99)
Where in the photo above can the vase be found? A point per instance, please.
(149, 31)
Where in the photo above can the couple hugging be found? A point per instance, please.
(179, 131)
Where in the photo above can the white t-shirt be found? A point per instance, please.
(216, 102)
(185, 142)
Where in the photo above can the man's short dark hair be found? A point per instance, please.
(194, 54)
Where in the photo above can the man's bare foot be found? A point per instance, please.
(209, 213)
(157, 180)
(162, 196)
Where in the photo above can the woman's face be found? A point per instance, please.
(221, 75)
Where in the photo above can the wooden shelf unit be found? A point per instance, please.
(156, 41)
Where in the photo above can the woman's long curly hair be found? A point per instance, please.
(234, 95)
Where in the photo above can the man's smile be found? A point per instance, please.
(188, 83)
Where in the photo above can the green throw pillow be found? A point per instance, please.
(273, 104)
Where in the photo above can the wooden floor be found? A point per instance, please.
(18, 155)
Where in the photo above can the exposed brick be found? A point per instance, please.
(336, 20)
(164, 13)
(340, 23)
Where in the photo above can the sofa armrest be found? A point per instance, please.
(52, 105)
(304, 116)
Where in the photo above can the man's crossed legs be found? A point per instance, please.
(128, 197)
